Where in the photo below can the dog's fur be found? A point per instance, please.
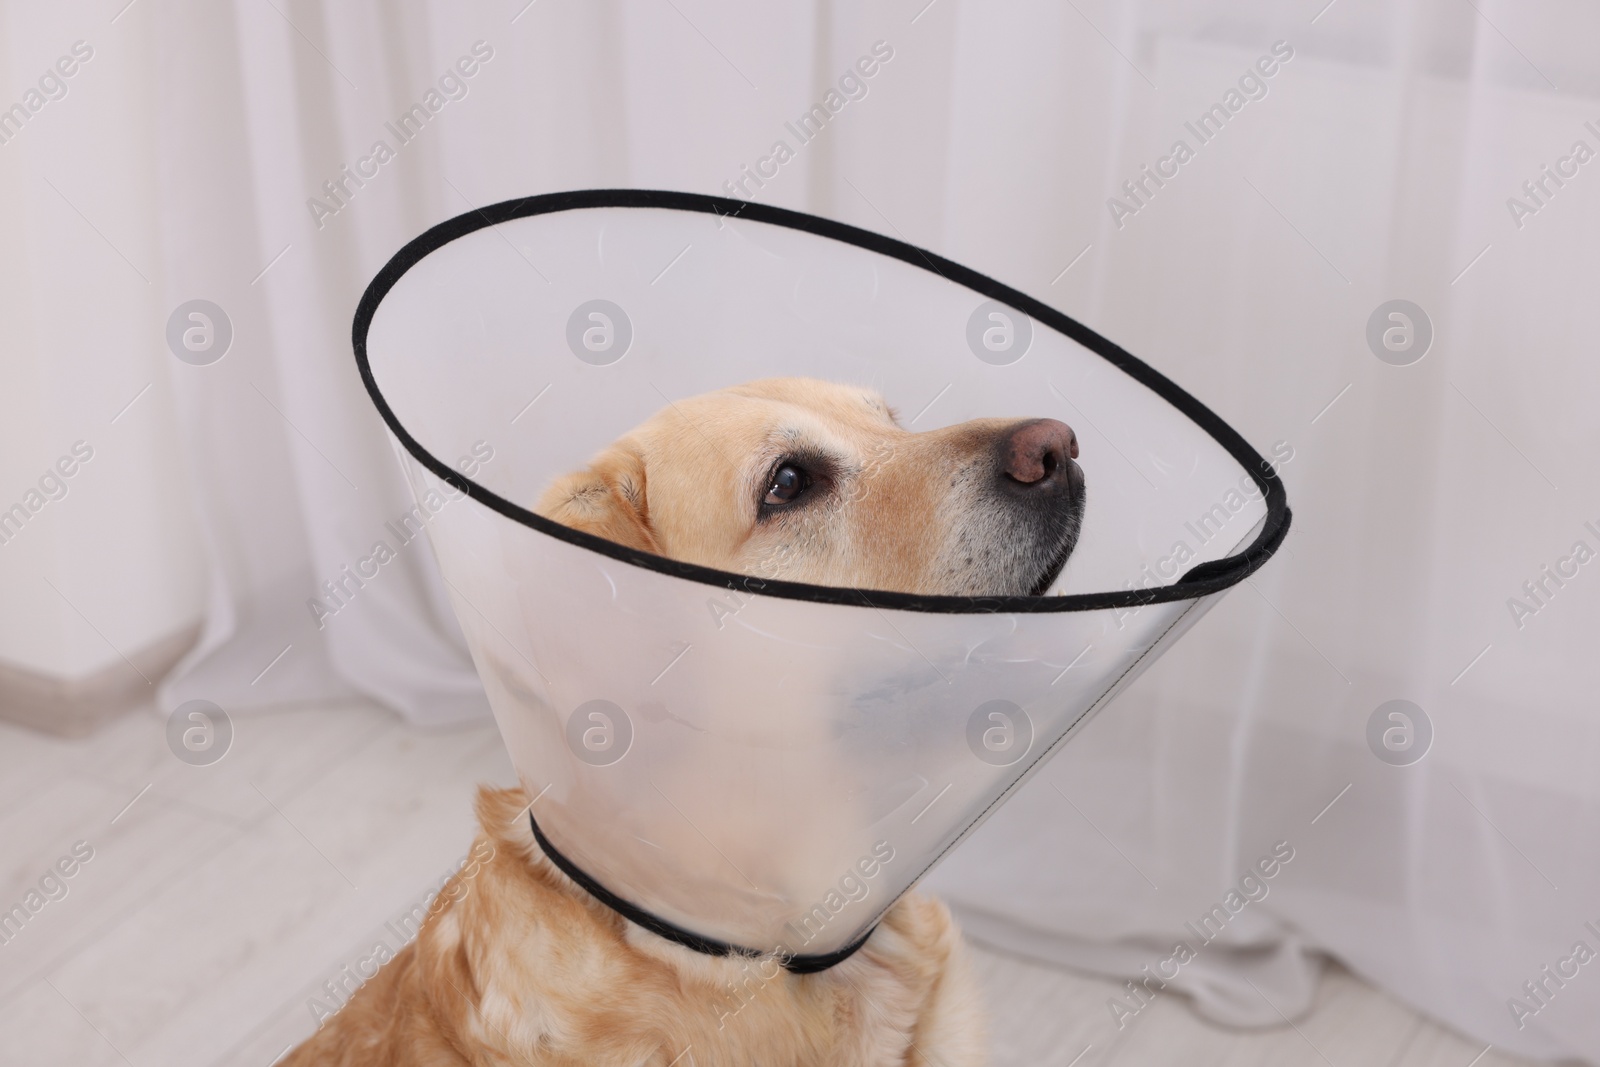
(516, 964)
(888, 509)
(523, 967)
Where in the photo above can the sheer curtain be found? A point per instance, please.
(229, 152)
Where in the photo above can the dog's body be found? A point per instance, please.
(787, 478)
(521, 966)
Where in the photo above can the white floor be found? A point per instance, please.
(219, 899)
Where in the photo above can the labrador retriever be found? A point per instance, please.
(788, 478)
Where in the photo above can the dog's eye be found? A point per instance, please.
(788, 482)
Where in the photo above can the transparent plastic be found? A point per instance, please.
(749, 762)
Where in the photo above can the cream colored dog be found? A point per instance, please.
(788, 478)
(815, 482)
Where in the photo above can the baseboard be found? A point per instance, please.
(77, 707)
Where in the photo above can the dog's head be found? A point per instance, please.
(809, 481)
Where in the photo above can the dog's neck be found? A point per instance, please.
(659, 929)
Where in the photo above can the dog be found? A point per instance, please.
(814, 482)
(789, 478)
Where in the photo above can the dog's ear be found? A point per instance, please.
(606, 499)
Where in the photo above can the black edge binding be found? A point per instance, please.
(1200, 581)
(1203, 580)
(797, 964)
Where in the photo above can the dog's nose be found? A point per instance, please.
(1036, 453)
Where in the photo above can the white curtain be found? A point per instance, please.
(1379, 160)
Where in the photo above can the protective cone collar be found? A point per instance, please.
(749, 765)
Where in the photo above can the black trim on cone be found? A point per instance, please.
(1202, 580)
(799, 964)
